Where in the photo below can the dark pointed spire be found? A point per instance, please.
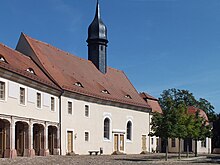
(97, 14)
(97, 41)
(97, 29)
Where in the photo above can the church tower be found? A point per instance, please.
(97, 42)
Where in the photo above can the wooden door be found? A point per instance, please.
(115, 142)
(144, 146)
(122, 142)
(70, 141)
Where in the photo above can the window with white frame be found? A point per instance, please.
(86, 110)
(107, 128)
(2, 90)
(52, 104)
(173, 142)
(70, 107)
(203, 143)
(152, 141)
(22, 96)
(39, 100)
(129, 130)
(86, 136)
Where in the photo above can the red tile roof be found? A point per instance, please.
(18, 63)
(192, 110)
(152, 101)
(67, 69)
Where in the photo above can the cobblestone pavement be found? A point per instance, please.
(149, 159)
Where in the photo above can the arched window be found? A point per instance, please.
(129, 130)
(106, 128)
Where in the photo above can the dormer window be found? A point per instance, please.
(30, 70)
(105, 91)
(2, 59)
(78, 84)
(128, 96)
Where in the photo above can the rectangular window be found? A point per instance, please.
(86, 110)
(173, 140)
(203, 143)
(22, 95)
(2, 90)
(152, 141)
(70, 107)
(52, 104)
(86, 136)
(38, 100)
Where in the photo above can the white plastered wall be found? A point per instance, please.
(94, 125)
(11, 105)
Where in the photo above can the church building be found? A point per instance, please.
(53, 102)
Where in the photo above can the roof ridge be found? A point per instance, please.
(55, 48)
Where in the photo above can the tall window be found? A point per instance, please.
(86, 110)
(152, 141)
(52, 102)
(203, 143)
(38, 100)
(86, 136)
(129, 130)
(173, 141)
(70, 107)
(22, 95)
(106, 128)
(2, 90)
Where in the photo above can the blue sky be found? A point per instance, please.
(159, 44)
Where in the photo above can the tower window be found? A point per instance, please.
(102, 47)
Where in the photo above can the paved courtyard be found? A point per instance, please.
(116, 160)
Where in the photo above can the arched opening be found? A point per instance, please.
(107, 128)
(129, 130)
(38, 138)
(4, 137)
(52, 139)
(21, 137)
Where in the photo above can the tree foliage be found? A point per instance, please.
(175, 122)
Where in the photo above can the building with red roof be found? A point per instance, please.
(53, 102)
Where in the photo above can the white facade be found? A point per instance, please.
(78, 123)
(202, 146)
(25, 128)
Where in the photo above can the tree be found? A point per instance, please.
(176, 122)
(208, 108)
(201, 130)
(162, 126)
(180, 126)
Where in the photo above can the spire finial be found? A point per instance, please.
(98, 15)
